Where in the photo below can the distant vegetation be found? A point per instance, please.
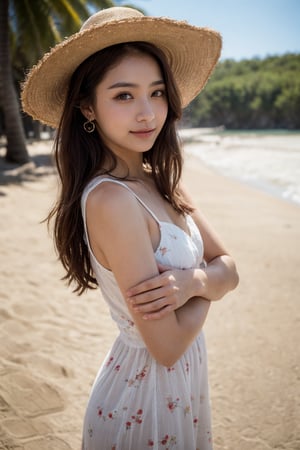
(250, 94)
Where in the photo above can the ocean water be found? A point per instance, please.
(267, 160)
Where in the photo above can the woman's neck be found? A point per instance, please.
(130, 167)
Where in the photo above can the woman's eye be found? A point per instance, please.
(158, 93)
(124, 96)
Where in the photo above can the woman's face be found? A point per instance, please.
(131, 107)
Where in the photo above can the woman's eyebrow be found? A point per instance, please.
(124, 84)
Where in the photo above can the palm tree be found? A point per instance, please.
(26, 33)
(16, 147)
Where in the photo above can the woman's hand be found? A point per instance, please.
(156, 297)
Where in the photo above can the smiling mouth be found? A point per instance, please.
(143, 132)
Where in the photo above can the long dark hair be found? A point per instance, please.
(80, 156)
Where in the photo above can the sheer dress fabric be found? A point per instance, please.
(136, 403)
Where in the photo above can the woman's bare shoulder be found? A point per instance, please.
(111, 200)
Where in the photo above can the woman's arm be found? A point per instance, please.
(193, 314)
(118, 233)
(172, 288)
(156, 297)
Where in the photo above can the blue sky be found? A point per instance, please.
(249, 27)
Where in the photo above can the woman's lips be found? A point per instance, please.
(143, 133)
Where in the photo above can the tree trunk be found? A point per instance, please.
(13, 127)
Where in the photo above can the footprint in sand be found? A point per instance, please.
(24, 401)
(29, 396)
(46, 443)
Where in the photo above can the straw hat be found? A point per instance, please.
(192, 54)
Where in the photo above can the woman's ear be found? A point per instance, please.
(87, 111)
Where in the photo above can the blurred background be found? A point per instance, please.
(254, 91)
(255, 86)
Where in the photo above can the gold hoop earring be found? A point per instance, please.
(89, 126)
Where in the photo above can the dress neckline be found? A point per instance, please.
(102, 179)
(156, 251)
(161, 223)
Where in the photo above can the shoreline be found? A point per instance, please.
(267, 161)
(258, 185)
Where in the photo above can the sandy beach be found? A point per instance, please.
(53, 342)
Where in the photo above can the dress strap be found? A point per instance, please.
(89, 188)
(98, 180)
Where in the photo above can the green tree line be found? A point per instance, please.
(250, 94)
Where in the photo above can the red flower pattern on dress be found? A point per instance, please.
(109, 361)
(164, 440)
(163, 250)
(138, 417)
(170, 441)
(134, 419)
(172, 404)
(140, 376)
(129, 322)
(109, 416)
(167, 441)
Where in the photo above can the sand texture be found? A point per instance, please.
(52, 342)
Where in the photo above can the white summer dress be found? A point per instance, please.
(136, 403)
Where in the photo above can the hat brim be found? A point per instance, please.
(192, 54)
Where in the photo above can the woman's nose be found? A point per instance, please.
(145, 111)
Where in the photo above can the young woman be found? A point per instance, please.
(124, 221)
